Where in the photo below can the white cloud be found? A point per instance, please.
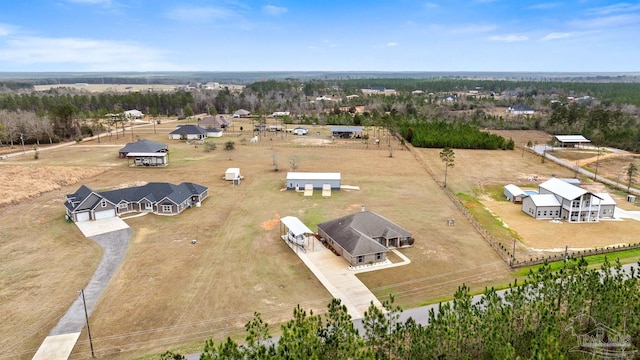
(608, 21)
(94, 54)
(91, 2)
(472, 29)
(273, 10)
(615, 8)
(392, 44)
(431, 5)
(201, 14)
(555, 36)
(6, 29)
(544, 6)
(509, 38)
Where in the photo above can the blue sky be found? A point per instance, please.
(328, 35)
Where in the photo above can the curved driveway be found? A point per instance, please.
(113, 236)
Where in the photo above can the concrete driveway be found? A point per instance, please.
(113, 236)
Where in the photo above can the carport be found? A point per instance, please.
(296, 233)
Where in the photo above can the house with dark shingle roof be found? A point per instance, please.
(188, 132)
(143, 146)
(156, 197)
(145, 153)
(363, 237)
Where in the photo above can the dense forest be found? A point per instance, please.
(607, 111)
(573, 313)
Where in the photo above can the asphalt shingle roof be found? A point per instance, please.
(356, 232)
(144, 146)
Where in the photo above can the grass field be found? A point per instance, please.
(170, 292)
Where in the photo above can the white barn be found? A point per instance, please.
(298, 180)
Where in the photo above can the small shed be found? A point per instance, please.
(232, 174)
(317, 180)
(514, 194)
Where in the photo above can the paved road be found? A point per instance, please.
(542, 149)
(419, 314)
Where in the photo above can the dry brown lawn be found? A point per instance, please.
(170, 292)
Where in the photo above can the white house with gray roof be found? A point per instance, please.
(558, 199)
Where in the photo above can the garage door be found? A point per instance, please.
(83, 216)
(105, 214)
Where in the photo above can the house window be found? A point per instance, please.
(166, 208)
(538, 212)
(556, 212)
(379, 256)
(545, 213)
(103, 203)
(148, 206)
(122, 205)
(360, 259)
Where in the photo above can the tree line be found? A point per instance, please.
(572, 313)
(442, 134)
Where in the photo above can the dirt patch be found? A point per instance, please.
(270, 224)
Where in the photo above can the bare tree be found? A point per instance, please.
(632, 169)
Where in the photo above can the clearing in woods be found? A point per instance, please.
(170, 292)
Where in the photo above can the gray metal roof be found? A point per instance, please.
(563, 189)
(346, 129)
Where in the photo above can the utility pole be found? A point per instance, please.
(22, 142)
(86, 317)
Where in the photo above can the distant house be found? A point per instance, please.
(214, 132)
(557, 199)
(570, 140)
(364, 237)
(299, 180)
(241, 113)
(346, 132)
(133, 114)
(280, 113)
(158, 198)
(301, 130)
(520, 109)
(143, 146)
(188, 132)
(218, 122)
